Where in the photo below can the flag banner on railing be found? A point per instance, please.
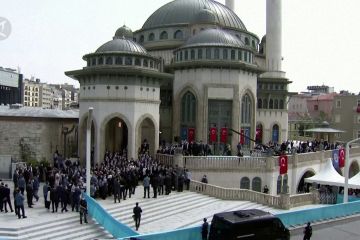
(335, 158)
(342, 157)
(191, 134)
(223, 135)
(283, 163)
(212, 135)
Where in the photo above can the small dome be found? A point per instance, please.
(125, 32)
(214, 37)
(121, 45)
(205, 16)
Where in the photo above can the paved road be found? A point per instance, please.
(348, 229)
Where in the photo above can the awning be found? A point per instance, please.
(327, 176)
(324, 130)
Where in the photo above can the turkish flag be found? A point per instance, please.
(242, 137)
(191, 134)
(223, 135)
(212, 135)
(341, 157)
(283, 163)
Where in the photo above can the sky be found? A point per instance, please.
(321, 38)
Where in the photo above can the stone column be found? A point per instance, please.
(131, 142)
(285, 201)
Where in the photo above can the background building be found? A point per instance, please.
(10, 86)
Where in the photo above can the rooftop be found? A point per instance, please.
(37, 112)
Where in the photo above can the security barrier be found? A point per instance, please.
(193, 233)
(113, 226)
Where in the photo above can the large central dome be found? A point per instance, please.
(187, 11)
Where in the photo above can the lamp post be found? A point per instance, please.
(347, 162)
(88, 149)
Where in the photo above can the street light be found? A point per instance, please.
(347, 162)
(88, 149)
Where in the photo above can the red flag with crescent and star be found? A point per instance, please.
(342, 157)
(212, 135)
(191, 134)
(283, 163)
(223, 135)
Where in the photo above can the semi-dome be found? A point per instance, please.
(124, 31)
(121, 45)
(214, 37)
(187, 11)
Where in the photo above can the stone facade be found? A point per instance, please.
(37, 137)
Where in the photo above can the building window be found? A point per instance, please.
(186, 55)
(271, 104)
(232, 54)
(192, 54)
(240, 55)
(216, 53)
(109, 61)
(208, 53)
(316, 107)
(100, 61)
(151, 64)
(128, 61)
(137, 62)
(256, 184)
(275, 133)
(245, 183)
(151, 37)
(181, 56)
(178, 34)
(338, 103)
(259, 103)
(145, 63)
(164, 35)
(276, 104)
(253, 44)
(246, 109)
(141, 39)
(281, 104)
(93, 61)
(358, 102)
(188, 110)
(118, 60)
(199, 53)
(225, 53)
(247, 42)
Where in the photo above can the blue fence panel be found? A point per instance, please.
(311, 215)
(193, 233)
(116, 228)
(340, 198)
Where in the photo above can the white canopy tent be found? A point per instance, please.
(327, 176)
(354, 182)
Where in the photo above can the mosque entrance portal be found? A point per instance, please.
(116, 135)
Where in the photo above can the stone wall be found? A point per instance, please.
(38, 137)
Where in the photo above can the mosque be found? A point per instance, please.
(192, 72)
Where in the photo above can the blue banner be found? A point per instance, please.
(335, 158)
(183, 134)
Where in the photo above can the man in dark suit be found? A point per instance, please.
(2, 195)
(137, 215)
(6, 198)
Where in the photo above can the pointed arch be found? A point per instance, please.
(149, 133)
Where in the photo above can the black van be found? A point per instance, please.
(247, 224)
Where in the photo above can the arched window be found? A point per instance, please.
(186, 55)
(146, 63)
(181, 56)
(137, 62)
(245, 183)
(118, 60)
(265, 104)
(232, 54)
(216, 53)
(279, 184)
(188, 110)
(247, 42)
(276, 104)
(151, 64)
(93, 61)
(253, 44)
(100, 61)
(141, 39)
(208, 53)
(192, 54)
(281, 104)
(271, 104)
(178, 34)
(163, 35)
(109, 61)
(199, 53)
(256, 184)
(225, 53)
(128, 61)
(151, 37)
(240, 55)
(259, 103)
(246, 109)
(275, 133)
